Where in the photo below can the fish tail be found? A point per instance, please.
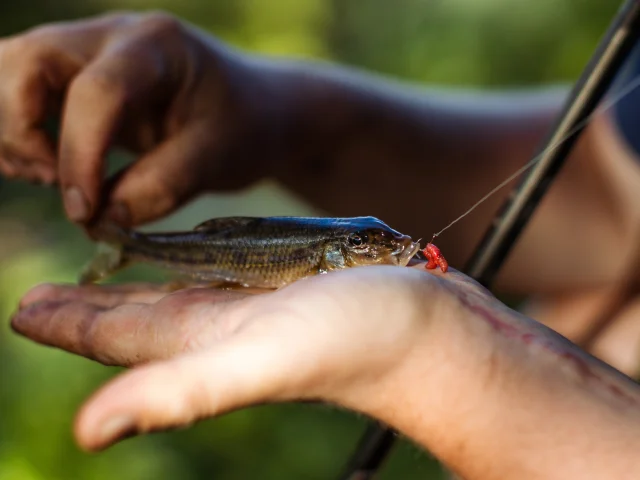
(111, 254)
(108, 260)
(111, 233)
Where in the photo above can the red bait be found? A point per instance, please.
(435, 258)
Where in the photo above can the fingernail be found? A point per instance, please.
(117, 428)
(24, 318)
(76, 204)
(119, 213)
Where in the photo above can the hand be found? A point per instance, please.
(335, 338)
(157, 87)
(433, 355)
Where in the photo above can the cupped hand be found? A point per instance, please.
(433, 355)
(183, 102)
(200, 352)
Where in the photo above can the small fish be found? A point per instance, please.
(268, 252)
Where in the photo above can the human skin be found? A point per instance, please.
(433, 355)
(203, 116)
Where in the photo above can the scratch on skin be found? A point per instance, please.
(581, 365)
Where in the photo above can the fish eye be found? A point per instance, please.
(357, 239)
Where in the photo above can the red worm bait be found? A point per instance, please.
(435, 258)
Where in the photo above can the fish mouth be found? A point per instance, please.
(405, 252)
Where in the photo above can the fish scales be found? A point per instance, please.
(264, 252)
(258, 256)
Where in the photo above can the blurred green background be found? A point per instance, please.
(476, 43)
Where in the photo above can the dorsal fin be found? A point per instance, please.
(224, 223)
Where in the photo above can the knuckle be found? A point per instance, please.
(117, 17)
(24, 65)
(94, 83)
(16, 47)
(42, 34)
(121, 322)
(160, 23)
(159, 197)
(28, 50)
(183, 406)
(92, 334)
(65, 329)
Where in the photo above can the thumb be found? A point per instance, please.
(162, 180)
(178, 392)
(95, 106)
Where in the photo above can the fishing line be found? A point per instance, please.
(605, 106)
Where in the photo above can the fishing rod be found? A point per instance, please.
(502, 234)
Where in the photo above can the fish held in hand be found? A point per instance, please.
(262, 252)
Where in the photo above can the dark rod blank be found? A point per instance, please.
(511, 219)
(587, 93)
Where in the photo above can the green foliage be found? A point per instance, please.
(483, 43)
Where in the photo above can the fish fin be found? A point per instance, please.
(184, 282)
(220, 224)
(107, 260)
(218, 284)
(333, 259)
(227, 285)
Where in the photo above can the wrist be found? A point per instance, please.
(422, 386)
(483, 378)
(429, 394)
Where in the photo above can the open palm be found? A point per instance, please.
(201, 351)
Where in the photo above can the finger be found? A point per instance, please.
(162, 180)
(46, 323)
(178, 392)
(33, 160)
(124, 73)
(123, 336)
(100, 295)
(33, 75)
(128, 334)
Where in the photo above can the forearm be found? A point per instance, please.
(353, 144)
(358, 143)
(494, 395)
